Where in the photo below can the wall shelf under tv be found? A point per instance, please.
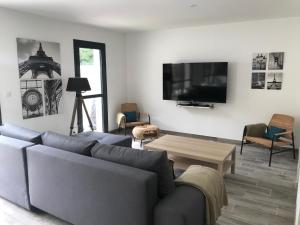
(195, 105)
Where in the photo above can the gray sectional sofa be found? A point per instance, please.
(86, 182)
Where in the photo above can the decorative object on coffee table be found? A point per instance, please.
(214, 153)
(144, 132)
(279, 133)
(79, 85)
(130, 117)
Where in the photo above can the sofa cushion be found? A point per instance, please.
(156, 162)
(71, 144)
(21, 133)
(107, 138)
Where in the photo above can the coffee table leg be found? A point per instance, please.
(220, 169)
(233, 162)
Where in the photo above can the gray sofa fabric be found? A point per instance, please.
(185, 206)
(120, 186)
(154, 161)
(72, 144)
(21, 133)
(88, 191)
(107, 138)
(13, 171)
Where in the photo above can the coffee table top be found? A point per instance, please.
(199, 149)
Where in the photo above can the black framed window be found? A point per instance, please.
(90, 62)
(0, 116)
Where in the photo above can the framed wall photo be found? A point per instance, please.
(40, 77)
(274, 81)
(52, 96)
(276, 60)
(258, 80)
(38, 59)
(259, 61)
(32, 98)
(267, 70)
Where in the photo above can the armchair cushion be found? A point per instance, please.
(265, 141)
(272, 131)
(130, 116)
(134, 124)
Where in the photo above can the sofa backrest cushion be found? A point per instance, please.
(68, 143)
(21, 133)
(156, 162)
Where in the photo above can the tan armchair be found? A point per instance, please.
(142, 117)
(255, 133)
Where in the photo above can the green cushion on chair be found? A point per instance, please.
(130, 116)
(271, 131)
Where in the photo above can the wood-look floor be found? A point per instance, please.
(258, 194)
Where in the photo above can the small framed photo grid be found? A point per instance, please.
(267, 70)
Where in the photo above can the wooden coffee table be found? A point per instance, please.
(220, 154)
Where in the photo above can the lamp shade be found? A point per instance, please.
(78, 84)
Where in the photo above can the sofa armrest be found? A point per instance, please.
(255, 130)
(21, 133)
(185, 206)
(13, 171)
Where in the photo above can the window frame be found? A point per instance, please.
(92, 45)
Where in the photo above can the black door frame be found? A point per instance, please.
(93, 45)
(0, 116)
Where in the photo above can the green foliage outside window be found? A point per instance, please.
(86, 56)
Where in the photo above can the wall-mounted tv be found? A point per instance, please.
(195, 82)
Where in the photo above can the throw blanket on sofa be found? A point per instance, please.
(211, 184)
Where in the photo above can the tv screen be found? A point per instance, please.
(197, 82)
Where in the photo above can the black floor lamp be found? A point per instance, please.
(79, 85)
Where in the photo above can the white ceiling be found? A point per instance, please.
(131, 15)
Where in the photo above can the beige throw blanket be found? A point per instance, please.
(208, 181)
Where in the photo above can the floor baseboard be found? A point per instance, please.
(230, 141)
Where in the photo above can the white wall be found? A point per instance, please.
(235, 43)
(15, 24)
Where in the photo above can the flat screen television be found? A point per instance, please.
(195, 82)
